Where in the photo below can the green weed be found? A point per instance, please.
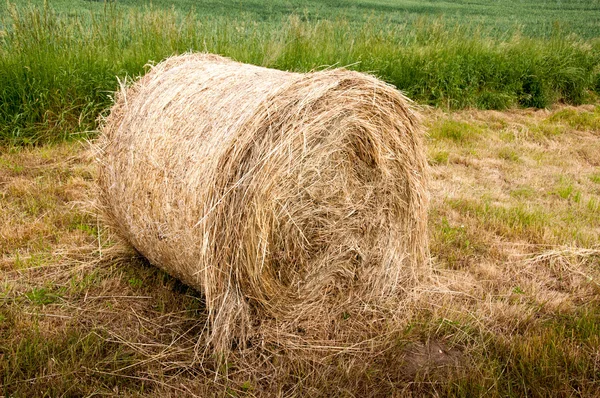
(55, 366)
(567, 191)
(509, 154)
(41, 296)
(593, 206)
(81, 283)
(135, 283)
(523, 192)
(518, 290)
(439, 158)
(578, 120)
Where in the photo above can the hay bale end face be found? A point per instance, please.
(280, 196)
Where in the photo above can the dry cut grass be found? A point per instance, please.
(512, 308)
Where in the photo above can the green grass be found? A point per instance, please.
(523, 192)
(440, 157)
(457, 131)
(58, 69)
(58, 364)
(578, 120)
(539, 18)
(519, 220)
(508, 153)
(41, 296)
(566, 190)
(536, 365)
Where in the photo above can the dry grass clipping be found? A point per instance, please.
(291, 201)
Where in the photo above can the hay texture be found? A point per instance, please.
(286, 199)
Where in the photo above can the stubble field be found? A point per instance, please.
(512, 308)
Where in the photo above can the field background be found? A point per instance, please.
(534, 18)
(59, 64)
(509, 94)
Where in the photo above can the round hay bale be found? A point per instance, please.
(280, 196)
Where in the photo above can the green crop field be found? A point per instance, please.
(533, 18)
(59, 63)
(509, 92)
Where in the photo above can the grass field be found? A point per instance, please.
(539, 18)
(509, 91)
(513, 308)
(58, 69)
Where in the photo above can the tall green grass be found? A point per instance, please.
(57, 72)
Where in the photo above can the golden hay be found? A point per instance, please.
(285, 198)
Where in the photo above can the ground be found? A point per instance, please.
(512, 307)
